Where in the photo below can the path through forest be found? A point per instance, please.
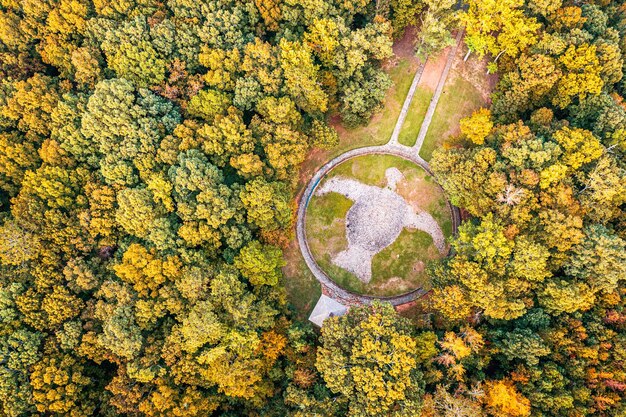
(392, 147)
(433, 102)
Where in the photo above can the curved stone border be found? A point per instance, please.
(337, 292)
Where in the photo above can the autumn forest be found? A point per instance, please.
(150, 164)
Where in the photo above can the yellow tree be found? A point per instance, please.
(62, 387)
(145, 271)
(371, 358)
(581, 69)
(260, 264)
(498, 27)
(270, 12)
(17, 155)
(477, 126)
(302, 76)
(323, 38)
(502, 399)
(32, 103)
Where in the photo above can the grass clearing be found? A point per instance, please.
(459, 99)
(371, 169)
(398, 268)
(415, 116)
(467, 88)
(303, 289)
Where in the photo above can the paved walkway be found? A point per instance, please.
(392, 147)
(407, 103)
(435, 100)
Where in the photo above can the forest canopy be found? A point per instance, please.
(149, 160)
(148, 156)
(539, 270)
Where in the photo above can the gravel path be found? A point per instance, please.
(425, 222)
(394, 176)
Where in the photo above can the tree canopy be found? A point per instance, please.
(149, 161)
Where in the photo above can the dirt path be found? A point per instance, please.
(432, 72)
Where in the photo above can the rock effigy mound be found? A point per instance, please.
(375, 221)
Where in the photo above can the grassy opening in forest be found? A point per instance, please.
(398, 267)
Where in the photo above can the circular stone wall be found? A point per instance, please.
(373, 222)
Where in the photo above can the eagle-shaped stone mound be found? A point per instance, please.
(375, 221)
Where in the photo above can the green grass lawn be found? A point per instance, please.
(459, 99)
(303, 290)
(371, 169)
(401, 266)
(415, 116)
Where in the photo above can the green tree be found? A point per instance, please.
(260, 264)
(207, 104)
(599, 260)
(436, 22)
(404, 13)
(130, 53)
(267, 204)
(203, 202)
(323, 135)
(363, 97)
(136, 211)
(126, 125)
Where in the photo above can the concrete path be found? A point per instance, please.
(392, 147)
(435, 100)
(407, 103)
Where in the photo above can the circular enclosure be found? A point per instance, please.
(373, 222)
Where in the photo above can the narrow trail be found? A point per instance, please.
(407, 103)
(435, 100)
(392, 147)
